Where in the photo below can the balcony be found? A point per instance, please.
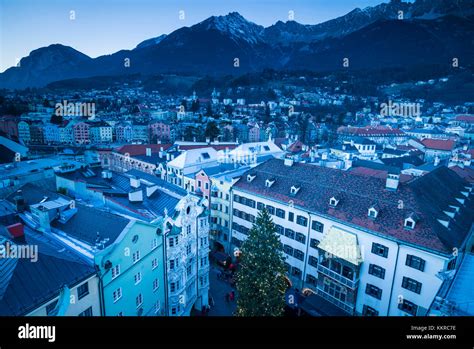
(349, 308)
(338, 277)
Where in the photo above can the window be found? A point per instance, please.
(415, 262)
(289, 233)
(298, 254)
(313, 243)
(452, 264)
(189, 270)
(269, 182)
(50, 307)
(139, 300)
(271, 209)
(379, 250)
(260, 206)
(409, 223)
(300, 238)
(203, 261)
(280, 213)
(302, 221)
(291, 216)
(377, 271)
(188, 249)
(288, 250)
(294, 189)
(83, 290)
(373, 213)
(317, 226)
(310, 279)
(136, 256)
(296, 272)
(171, 242)
(280, 230)
(373, 291)
(369, 311)
(117, 294)
(313, 261)
(173, 287)
(87, 312)
(138, 278)
(154, 244)
(154, 263)
(411, 285)
(155, 284)
(115, 271)
(408, 307)
(172, 264)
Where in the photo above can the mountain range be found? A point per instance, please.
(387, 35)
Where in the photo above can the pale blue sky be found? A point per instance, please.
(106, 26)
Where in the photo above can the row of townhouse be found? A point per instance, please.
(119, 260)
(368, 246)
(97, 132)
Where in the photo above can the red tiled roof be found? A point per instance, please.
(215, 146)
(426, 196)
(465, 173)
(140, 149)
(370, 172)
(438, 144)
(296, 147)
(465, 118)
(371, 131)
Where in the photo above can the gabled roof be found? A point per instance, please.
(193, 157)
(428, 196)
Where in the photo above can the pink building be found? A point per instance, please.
(81, 133)
(203, 184)
(159, 131)
(254, 134)
(9, 125)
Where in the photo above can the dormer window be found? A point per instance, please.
(333, 202)
(295, 189)
(373, 212)
(410, 221)
(250, 177)
(269, 182)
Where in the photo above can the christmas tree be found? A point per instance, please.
(260, 279)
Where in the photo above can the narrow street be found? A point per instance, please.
(218, 290)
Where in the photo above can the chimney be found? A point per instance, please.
(208, 140)
(288, 162)
(324, 156)
(20, 204)
(16, 230)
(436, 161)
(150, 190)
(168, 156)
(135, 196)
(148, 151)
(134, 182)
(392, 181)
(41, 216)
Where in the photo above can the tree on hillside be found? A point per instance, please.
(212, 130)
(260, 279)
